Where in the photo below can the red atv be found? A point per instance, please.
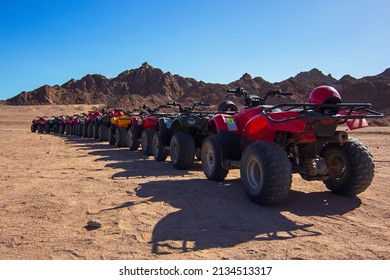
(34, 124)
(71, 125)
(62, 124)
(269, 143)
(93, 124)
(38, 124)
(143, 127)
(68, 125)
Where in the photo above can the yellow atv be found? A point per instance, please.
(118, 130)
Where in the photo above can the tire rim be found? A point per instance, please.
(254, 174)
(337, 166)
(209, 160)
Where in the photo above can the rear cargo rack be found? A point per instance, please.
(309, 111)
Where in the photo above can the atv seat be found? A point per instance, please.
(227, 106)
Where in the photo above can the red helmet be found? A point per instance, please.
(324, 94)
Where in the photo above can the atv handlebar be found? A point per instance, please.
(188, 108)
(277, 92)
(242, 92)
(237, 92)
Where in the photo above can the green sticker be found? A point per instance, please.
(231, 125)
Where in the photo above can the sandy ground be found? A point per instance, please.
(51, 186)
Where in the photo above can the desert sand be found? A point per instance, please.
(51, 186)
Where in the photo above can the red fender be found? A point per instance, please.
(136, 120)
(150, 122)
(354, 123)
(224, 122)
(234, 124)
(261, 128)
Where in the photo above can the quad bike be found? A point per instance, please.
(53, 125)
(69, 125)
(39, 124)
(85, 126)
(182, 135)
(62, 124)
(93, 124)
(119, 127)
(270, 142)
(105, 132)
(80, 124)
(143, 126)
(35, 124)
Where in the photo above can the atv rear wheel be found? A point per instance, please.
(61, 129)
(103, 131)
(182, 150)
(212, 159)
(120, 137)
(95, 131)
(84, 130)
(80, 129)
(146, 141)
(33, 128)
(266, 173)
(158, 148)
(351, 167)
(111, 135)
(90, 130)
(132, 139)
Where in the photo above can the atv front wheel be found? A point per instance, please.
(158, 148)
(146, 141)
(212, 159)
(266, 173)
(95, 131)
(120, 137)
(89, 131)
(132, 139)
(33, 128)
(351, 167)
(111, 135)
(182, 150)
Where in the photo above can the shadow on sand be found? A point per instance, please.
(211, 214)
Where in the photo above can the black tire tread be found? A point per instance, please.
(161, 153)
(219, 173)
(277, 169)
(186, 154)
(362, 168)
(148, 133)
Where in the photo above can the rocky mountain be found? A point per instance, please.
(149, 85)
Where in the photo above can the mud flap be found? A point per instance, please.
(228, 140)
(357, 123)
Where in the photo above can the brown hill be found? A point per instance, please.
(150, 85)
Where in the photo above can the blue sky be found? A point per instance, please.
(50, 42)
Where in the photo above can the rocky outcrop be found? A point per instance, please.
(147, 84)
